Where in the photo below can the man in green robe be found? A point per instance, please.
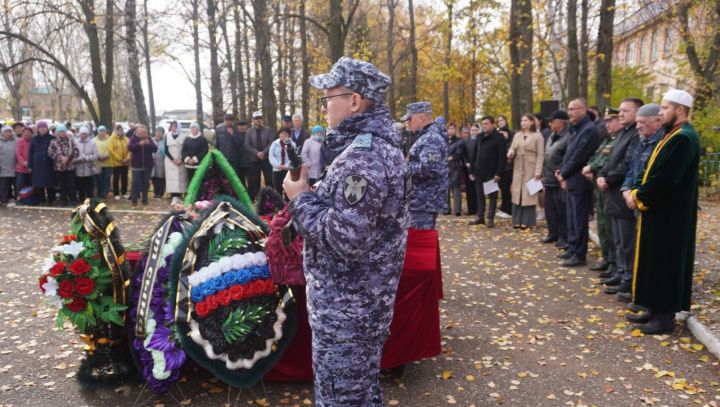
(667, 199)
(596, 162)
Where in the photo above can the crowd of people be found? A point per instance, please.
(61, 164)
(565, 168)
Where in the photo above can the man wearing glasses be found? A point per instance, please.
(257, 145)
(355, 228)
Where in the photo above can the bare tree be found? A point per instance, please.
(216, 94)
(148, 67)
(239, 75)
(705, 72)
(573, 57)
(412, 85)
(584, 45)
(262, 54)
(196, 52)
(133, 60)
(521, 44)
(390, 50)
(603, 59)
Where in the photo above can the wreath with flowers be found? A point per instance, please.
(76, 280)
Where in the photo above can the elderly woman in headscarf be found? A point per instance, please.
(175, 173)
(194, 149)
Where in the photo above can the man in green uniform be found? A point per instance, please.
(596, 162)
(667, 198)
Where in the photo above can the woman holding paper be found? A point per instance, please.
(528, 151)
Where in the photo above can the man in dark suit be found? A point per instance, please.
(231, 143)
(581, 145)
(257, 143)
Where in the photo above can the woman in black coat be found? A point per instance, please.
(507, 175)
(43, 172)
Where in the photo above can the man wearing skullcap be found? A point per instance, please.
(354, 224)
(667, 198)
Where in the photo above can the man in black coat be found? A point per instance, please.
(581, 145)
(610, 179)
(231, 143)
(554, 195)
(488, 162)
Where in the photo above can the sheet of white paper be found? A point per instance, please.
(534, 186)
(490, 187)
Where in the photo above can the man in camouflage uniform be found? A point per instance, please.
(355, 228)
(596, 162)
(428, 164)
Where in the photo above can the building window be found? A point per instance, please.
(654, 47)
(643, 49)
(650, 92)
(630, 54)
(25, 113)
(667, 45)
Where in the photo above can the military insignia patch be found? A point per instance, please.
(432, 157)
(363, 140)
(354, 189)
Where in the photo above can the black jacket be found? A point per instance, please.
(489, 155)
(508, 142)
(614, 172)
(554, 151)
(581, 146)
(232, 145)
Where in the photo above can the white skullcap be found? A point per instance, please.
(679, 96)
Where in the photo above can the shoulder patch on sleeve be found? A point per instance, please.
(363, 141)
(354, 188)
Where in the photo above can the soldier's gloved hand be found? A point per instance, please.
(295, 188)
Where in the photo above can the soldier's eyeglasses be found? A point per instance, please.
(324, 100)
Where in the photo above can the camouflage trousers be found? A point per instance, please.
(422, 220)
(347, 372)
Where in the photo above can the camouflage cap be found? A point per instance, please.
(417, 107)
(359, 76)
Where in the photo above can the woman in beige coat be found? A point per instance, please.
(528, 150)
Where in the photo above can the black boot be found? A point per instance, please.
(561, 244)
(620, 288)
(477, 222)
(659, 324)
(549, 239)
(607, 273)
(639, 318)
(624, 297)
(614, 280)
(600, 267)
(564, 256)
(574, 261)
(637, 308)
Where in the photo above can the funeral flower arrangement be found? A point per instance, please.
(75, 279)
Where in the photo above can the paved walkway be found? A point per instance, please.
(518, 330)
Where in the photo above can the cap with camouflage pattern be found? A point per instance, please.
(417, 107)
(359, 76)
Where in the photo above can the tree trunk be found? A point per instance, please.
(473, 62)
(279, 39)
(229, 62)
(133, 61)
(603, 60)
(521, 38)
(148, 68)
(584, 44)
(239, 75)
(262, 52)
(391, 4)
(251, 79)
(216, 93)
(412, 82)
(305, 64)
(336, 41)
(102, 82)
(573, 57)
(448, 61)
(199, 116)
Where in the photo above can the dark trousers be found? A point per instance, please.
(84, 187)
(505, 194)
(66, 186)
(278, 177)
(254, 170)
(22, 180)
(470, 194)
(6, 185)
(242, 174)
(605, 229)
(140, 185)
(623, 231)
(120, 180)
(104, 181)
(158, 184)
(44, 194)
(456, 195)
(555, 213)
(190, 174)
(480, 197)
(578, 207)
